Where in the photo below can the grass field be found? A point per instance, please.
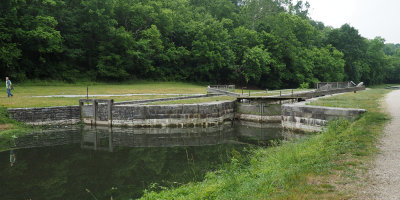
(311, 168)
(198, 100)
(23, 93)
(349, 100)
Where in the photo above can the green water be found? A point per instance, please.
(87, 163)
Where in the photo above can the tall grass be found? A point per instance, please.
(290, 171)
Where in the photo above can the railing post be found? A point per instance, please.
(94, 112)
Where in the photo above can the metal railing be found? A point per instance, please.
(229, 88)
(334, 85)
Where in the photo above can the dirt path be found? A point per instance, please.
(385, 174)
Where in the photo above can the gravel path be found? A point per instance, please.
(385, 175)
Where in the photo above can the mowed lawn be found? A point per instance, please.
(24, 93)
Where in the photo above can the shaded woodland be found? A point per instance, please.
(263, 43)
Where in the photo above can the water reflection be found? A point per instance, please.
(107, 139)
(79, 163)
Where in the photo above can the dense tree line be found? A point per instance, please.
(265, 43)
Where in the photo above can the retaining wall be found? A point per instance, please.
(173, 115)
(133, 114)
(43, 116)
(204, 114)
(272, 111)
(269, 112)
(313, 118)
(71, 114)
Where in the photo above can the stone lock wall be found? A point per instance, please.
(268, 111)
(163, 115)
(313, 118)
(174, 115)
(51, 115)
(133, 114)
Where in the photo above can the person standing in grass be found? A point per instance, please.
(9, 87)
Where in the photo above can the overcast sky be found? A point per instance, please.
(370, 17)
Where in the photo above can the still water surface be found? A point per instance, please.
(100, 163)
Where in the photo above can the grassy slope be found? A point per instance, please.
(304, 169)
(10, 129)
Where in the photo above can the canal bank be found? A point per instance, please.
(269, 109)
(290, 163)
(313, 168)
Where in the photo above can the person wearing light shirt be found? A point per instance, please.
(9, 87)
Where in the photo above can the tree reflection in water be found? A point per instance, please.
(77, 163)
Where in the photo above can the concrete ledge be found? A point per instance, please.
(55, 122)
(175, 115)
(259, 118)
(303, 124)
(313, 118)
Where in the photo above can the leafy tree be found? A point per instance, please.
(347, 40)
(265, 43)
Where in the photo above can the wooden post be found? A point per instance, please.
(81, 104)
(109, 108)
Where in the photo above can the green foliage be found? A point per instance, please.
(304, 85)
(264, 43)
